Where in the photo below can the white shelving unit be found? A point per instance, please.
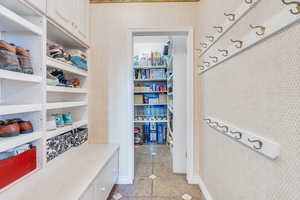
(150, 92)
(148, 121)
(151, 67)
(150, 104)
(149, 80)
(27, 96)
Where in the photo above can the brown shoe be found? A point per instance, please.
(8, 58)
(25, 126)
(24, 60)
(9, 130)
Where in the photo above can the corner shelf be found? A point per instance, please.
(58, 105)
(11, 22)
(64, 129)
(18, 76)
(12, 142)
(66, 89)
(66, 67)
(15, 109)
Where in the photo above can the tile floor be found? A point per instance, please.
(165, 185)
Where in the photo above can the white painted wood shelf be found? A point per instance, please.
(12, 142)
(150, 92)
(11, 22)
(151, 67)
(159, 104)
(150, 121)
(147, 80)
(65, 129)
(15, 109)
(60, 89)
(18, 76)
(59, 105)
(66, 67)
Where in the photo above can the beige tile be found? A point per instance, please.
(143, 169)
(142, 187)
(174, 187)
(162, 169)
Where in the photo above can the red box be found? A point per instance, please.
(16, 167)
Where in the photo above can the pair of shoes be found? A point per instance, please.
(57, 52)
(52, 80)
(14, 127)
(63, 119)
(15, 58)
(78, 58)
(59, 74)
(75, 82)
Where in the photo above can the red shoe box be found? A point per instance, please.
(16, 167)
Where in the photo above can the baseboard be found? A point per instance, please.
(204, 190)
(193, 179)
(124, 180)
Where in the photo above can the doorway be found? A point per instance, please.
(161, 100)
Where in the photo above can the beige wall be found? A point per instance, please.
(258, 91)
(109, 73)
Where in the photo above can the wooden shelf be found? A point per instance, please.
(151, 67)
(11, 22)
(65, 129)
(149, 121)
(66, 89)
(59, 105)
(7, 143)
(14, 109)
(18, 76)
(145, 80)
(150, 104)
(66, 67)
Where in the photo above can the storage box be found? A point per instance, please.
(16, 167)
(138, 99)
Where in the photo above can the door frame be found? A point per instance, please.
(190, 95)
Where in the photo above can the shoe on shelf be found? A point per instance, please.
(9, 129)
(25, 126)
(61, 77)
(57, 52)
(75, 82)
(52, 80)
(24, 60)
(59, 120)
(67, 118)
(8, 57)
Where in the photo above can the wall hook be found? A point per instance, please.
(259, 144)
(210, 38)
(292, 3)
(237, 135)
(219, 29)
(223, 129)
(214, 58)
(207, 120)
(206, 64)
(201, 67)
(248, 1)
(239, 43)
(224, 51)
(203, 44)
(262, 29)
(231, 16)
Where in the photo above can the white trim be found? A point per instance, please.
(204, 190)
(190, 94)
(193, 179)
(124, 180)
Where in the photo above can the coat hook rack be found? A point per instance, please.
(210, 38)
(248, 1)
(256, 143)
(293, 3)
(206, 64)
(262, 29)
(238, 43)
(231, 16)
(214, 58)
(203, 44)
(219, 29)
(201, 67)
(224, 52)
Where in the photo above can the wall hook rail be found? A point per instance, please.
(206, 64)
(201, 67)
(219, 29)
(231, 16)
(214, 58)
(203, 44)
(293, 3)
(210, 38)
(256, 143)
(248, 1)
(238, 43)
(224, 52)
(262, 29)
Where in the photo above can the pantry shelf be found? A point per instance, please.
(147, 80)
(17, 76)
(65, 129)
(151, 67)
(150, 92)
(66, 90)
(14, 109)
(59, 105)
(11, 22)
(150, 104)
(66, 67)
(12, 142)
(150, 121)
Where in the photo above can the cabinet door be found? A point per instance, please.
(82, 22)
(60, 12)
(39, 4)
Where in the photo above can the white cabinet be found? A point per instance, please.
(39, 4)
(71, 15)
(101, 187)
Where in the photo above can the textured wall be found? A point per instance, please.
(108, 97)
(258, 91)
